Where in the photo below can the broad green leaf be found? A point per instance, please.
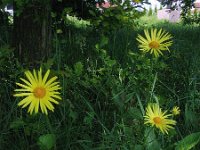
(47, 141)
(188, 142)
(151, 142)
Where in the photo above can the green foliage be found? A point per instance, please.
(78, 68)
(188, 142)
(75, 22)
(151, 142)
(5, 53)
(192, 18)
(3, 3)
(114, 18)
(47, 141)
(186, 7)
(77, 8)
(161, 7)
(20, 6)
(8, 64)
(106, 84)
(155, 10)
(17, 124)
(188, 17)
(24, 5)
(103, 94)
(150, 12)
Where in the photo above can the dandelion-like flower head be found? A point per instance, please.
(155, 117)
(38, 92)
(176, 110)
(154, 42)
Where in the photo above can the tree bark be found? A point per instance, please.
(32, 33)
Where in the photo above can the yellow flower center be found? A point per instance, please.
(39, 92)
(154, 44)
(157, 120)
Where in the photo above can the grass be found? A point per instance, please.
(105, 90)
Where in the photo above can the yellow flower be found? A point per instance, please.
(154, 42)
(155, 117)
(176, 110)
(38, 92)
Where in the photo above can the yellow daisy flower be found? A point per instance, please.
(176, 110)
(154, 42)
(38, 92)
(155, 117)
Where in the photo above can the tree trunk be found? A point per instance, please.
(32, 33)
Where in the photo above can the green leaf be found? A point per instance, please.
(135, 113)
(151, 142)
(188, 142)
(5, 2)
(47, 141)
(110, 62)
(139, 147)
(104, 41)
(78, 68)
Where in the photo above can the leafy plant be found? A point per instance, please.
(192, 18)
(115, 17)
(188, 142)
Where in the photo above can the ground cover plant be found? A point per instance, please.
(133, 85)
